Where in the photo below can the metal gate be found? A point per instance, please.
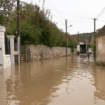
(7, 45)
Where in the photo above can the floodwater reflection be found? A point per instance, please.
(74, 80)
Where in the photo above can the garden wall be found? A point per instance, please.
(40, 52)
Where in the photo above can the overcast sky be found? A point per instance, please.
(79, 13)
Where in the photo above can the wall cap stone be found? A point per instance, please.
(2, 29)
(10, 36)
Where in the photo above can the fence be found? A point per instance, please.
(7, 45)
(23, 54)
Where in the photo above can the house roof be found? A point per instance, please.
(101, 31)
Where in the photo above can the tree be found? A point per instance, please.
(89, 45)
(72, 43)
(6, 6)
(36, 27)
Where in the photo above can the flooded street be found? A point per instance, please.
(74, 80)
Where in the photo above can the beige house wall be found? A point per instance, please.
(100, 48)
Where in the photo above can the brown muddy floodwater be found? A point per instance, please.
(74, 80)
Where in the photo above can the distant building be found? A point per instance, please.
(81, 48)
(100, 45)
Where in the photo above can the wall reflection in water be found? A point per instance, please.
(2, 88)
(100, 82)
(9, 78)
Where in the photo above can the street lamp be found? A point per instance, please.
(66, 36)
(69, 26)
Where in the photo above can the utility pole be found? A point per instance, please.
(78, 37)
(66, 36)
(94, 39)
(18, 30)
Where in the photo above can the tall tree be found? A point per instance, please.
(6, 7)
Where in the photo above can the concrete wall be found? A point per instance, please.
(2, 89)
(44, 52)
(4, 59)
(100, 48)
(11, 38)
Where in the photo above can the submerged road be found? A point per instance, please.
(74, 80)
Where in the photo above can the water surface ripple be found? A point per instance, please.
(74, 80)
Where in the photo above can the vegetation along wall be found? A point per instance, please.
(36, 26)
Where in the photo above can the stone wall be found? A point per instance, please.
(40, 52)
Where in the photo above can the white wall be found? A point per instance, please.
(4, 59)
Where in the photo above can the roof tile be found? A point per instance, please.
(101, 31)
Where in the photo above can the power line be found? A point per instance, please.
(74, 15)
(57, 18)
(101, 12)
(101, 20)
(71, 15)
(55, 9)
(71, 31)
(79, 17)
(62, 12)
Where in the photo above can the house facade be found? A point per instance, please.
(100, 46)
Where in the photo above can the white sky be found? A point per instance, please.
(79, 13)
